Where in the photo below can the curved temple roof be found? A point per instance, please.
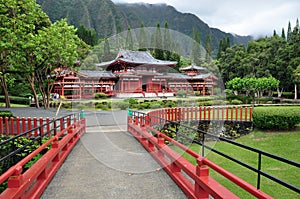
(136, 58)
(192, 67)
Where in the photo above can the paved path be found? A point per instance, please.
(108, 162)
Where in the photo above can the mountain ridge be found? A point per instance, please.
(105, 17)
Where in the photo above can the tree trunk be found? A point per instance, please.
(279, 92)
(296, 92)
(4, 86)
(36, 99)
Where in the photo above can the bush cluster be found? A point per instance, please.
(6, 114)
(16, 100)
(28, 146)
(100, 96)
(276, 118)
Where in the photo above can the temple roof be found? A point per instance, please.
(136, 58)
(96, 74)
(187, 77)
(204, 76)
(192, 67)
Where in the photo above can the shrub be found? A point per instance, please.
(100, 96)
(67, 105)
(228, 92)
(6, 114)
(156, 106)
(122, 105)
(243, 98)
(276, 118)
(16, 100)
(236, 102)
(80, 106)
(170, 104)
(205, 103)
(181, 93)
(145, 105)
(101, 106)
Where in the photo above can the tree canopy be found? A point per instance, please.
(276, 56)
(32, 46)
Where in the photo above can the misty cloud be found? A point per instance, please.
(256, 17)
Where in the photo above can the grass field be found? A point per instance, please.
(284, 144)
(14, 105)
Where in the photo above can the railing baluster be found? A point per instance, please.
(259, 169)
(1, 126)
(6, 126)
(12, 126)
(42, 127)
(35, 126)
(18, 125)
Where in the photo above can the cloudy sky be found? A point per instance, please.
(255, 17)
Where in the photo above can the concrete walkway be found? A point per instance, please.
(108, 162)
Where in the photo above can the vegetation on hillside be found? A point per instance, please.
(107, 18)
(276, 56)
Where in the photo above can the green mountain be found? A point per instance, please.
(104, 16)
(151, 14)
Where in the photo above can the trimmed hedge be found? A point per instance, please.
(5, 114)
(276, 117)
(16, 100)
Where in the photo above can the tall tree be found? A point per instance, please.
(283, 33)
(208, 49)
(196, 50)
(19, 21)
(167, 42)
(57, 51)
(119, 42)
(88, 36)
(294, 54)
(152, 42)
(289, 31)
(296, 80)
(220, 50)
(143, 45)
(129, 40)
(158, 51)
(228, 43)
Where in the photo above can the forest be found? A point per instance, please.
(277, 56)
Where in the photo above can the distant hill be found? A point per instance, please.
(104, 16)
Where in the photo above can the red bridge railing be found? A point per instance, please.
(194, 180)
(233, 113)
(32, 183)
(16, 126)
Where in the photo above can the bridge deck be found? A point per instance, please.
(108, 162)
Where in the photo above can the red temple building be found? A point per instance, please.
(134, 74)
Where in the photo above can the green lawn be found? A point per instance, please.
(284, 144)
(13, 105)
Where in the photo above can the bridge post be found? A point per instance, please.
(142, 121)
(201, 170)
(147, 120)
(16, 180)
(161, 143)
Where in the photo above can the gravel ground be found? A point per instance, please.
(34, 112)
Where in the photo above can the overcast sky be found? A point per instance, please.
(255, 17)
